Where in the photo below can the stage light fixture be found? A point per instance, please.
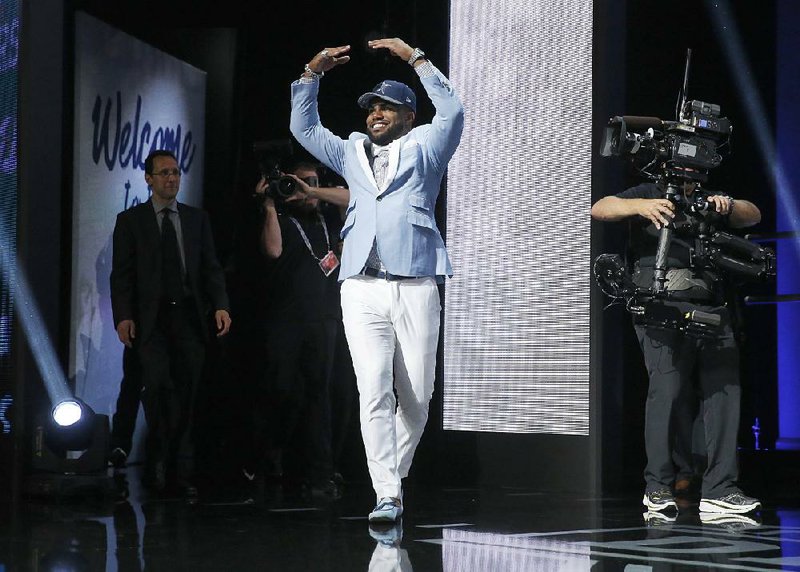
(69, 450)
(69, 431)
(68, 412)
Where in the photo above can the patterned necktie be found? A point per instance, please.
(171, 275)
(380, 165)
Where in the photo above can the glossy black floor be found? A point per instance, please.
(443, 529)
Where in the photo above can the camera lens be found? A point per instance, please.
(286, 186)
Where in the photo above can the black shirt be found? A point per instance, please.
(297, 289)
(644, 238)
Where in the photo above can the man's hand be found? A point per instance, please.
(126, 330)
(329, 58)
(261, 190)
(303, 188)
(395, 45)
(722, 204)
(658, 211)
(223, 320)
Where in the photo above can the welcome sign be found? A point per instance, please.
(130, 99)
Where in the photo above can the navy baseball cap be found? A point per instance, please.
(391, 91)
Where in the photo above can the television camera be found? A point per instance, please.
(673, 154)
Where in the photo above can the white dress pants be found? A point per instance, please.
(392, 330)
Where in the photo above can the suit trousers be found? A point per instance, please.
(171, 360)
(392, 329)
(674, 363)
(128, 399)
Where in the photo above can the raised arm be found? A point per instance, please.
(305, 123)
(271, 239)
(448, 123)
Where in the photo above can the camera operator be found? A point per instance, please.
(673, 357)
(301, 324)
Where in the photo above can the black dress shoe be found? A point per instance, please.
(118, 458)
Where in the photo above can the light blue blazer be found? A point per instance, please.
(400, 213)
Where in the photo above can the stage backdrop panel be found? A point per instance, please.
(9, 54)
(516, 330)
(130, 99)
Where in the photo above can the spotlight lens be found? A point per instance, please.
(67, 413)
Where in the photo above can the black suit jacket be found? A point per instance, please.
(136, 267)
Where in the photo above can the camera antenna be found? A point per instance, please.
(684, 88)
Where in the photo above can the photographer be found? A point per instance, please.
(301, 323)
(673, 358)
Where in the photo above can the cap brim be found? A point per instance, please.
(364, 100)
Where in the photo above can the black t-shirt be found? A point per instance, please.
(297, 289)
(644, 238)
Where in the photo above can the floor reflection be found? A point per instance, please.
(443, 529)
(388, 556)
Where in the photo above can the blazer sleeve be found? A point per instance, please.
(447, 126)
(123, 270)
(307, 128)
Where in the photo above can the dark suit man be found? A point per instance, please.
(165, 282)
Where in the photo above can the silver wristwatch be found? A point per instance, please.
(415, 55)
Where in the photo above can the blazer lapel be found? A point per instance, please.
(394, 161)
(361, 153)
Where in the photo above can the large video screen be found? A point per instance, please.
(516, 328)
(9, 52)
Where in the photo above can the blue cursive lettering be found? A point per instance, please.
(126, 144)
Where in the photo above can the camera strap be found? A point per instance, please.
(327, 263)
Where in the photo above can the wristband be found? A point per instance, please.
(315, 75)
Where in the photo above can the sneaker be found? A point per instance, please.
(732, 503)
(730, 522)
(661, 499)
(654, 518)
(388, 509)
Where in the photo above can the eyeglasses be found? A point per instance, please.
(310, 181)
(167, 172)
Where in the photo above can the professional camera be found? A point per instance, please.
(269, 155)
(281, 187)
(673, 154)
(686, 148)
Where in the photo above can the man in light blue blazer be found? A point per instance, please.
(393, 253)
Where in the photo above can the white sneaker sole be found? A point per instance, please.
(732, 520)
(656, 518)
(658, 506)
(722, 507)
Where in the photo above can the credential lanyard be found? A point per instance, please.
(305, 237)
